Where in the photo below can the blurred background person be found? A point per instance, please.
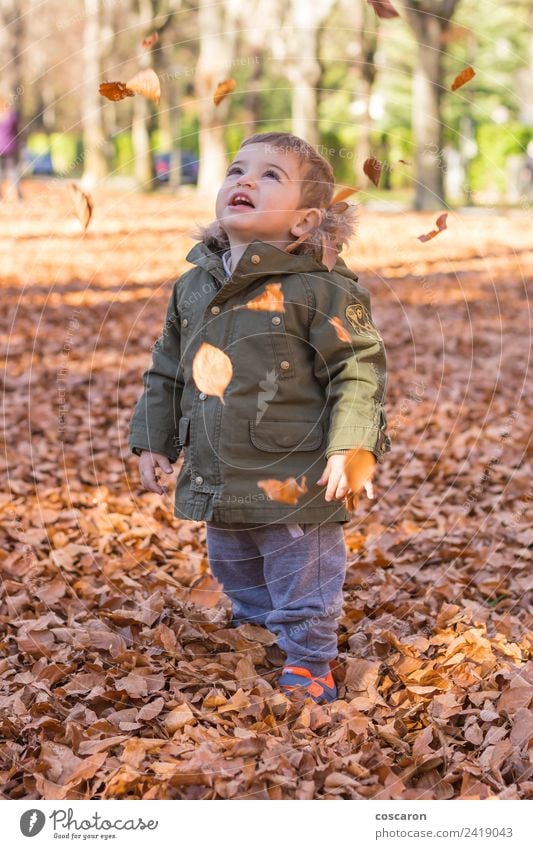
(9, 146)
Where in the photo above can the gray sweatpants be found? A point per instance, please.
(288, 578)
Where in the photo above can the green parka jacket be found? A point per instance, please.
(298, 392)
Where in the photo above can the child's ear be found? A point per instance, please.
(307, 220)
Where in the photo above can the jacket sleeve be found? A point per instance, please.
(352, 373)
(154, 422)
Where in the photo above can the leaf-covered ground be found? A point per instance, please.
(120, 676)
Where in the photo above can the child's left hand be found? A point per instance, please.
(347, 474)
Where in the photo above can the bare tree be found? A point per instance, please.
(217, 24)
(153, 16)
(301, 32)
(429, 20)
(94, 166)
(366, 28)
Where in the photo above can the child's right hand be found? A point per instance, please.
(149, 461)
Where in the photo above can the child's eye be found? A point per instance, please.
(235, 168)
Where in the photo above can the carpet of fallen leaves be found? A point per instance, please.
(120, 675)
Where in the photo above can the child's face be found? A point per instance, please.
(272, 181)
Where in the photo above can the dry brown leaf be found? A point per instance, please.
(287, 491)
(361, 674)
(340, 330)
(178, 717)
(384, 8)
(206, 592)
(211, 370)
(330, 252)
(441, 225)
(464, 77)
(290, 248)
(359, 468)
(271, 299)
(150, 40)
(372, 168)
(222, 90)
(115, 90)
(146, 83)
(83, 204)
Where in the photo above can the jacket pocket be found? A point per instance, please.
(183, 430)
(286, 436)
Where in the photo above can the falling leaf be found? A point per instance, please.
(340, 330)
(147, 83)
(83, 204)
(359, 467)
(290, 248)
(465, 76)
(372, 168)
(115, 90)
(287, 491)
(150, 40)
(384, 9)
(344, 193)
(223, 89)
(211, 370)
(441, 225)
(270, 299)
(330, 252)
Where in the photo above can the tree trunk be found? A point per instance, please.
(429, 20)
(94, 163)
(366, 28)
(217, 26)
(251, 103)
(142, 155)
(303, 69)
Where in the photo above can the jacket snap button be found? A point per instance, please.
(198, 479)
(255, 258)
(276, 320)
(185, 322)
(285, 364)
(215, 310)
(203, 396)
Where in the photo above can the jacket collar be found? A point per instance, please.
(260, 259)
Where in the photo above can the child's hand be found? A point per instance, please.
(148, 463)
(335, 478)
(346, 474)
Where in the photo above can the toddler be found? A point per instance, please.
(291, 375)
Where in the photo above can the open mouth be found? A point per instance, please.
(240, 200)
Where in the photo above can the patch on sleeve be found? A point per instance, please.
(358, 316)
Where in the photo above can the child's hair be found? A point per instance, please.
(317, 186)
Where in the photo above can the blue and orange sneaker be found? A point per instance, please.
(299, 679)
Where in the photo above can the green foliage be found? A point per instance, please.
(495, 143)
(189, 127)
(123, 154)
(64, 152)
(38, 143)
